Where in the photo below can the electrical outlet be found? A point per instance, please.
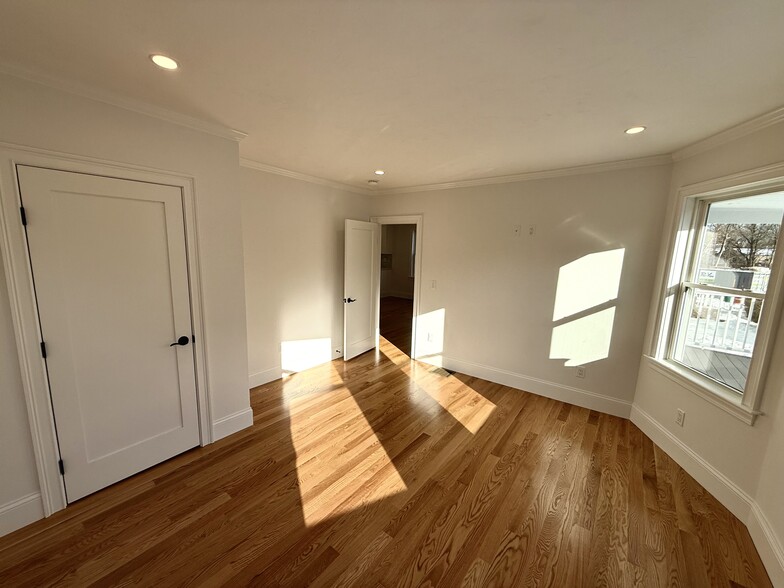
(531, 230)
(433, 284)
(680, 416)
(580, 372)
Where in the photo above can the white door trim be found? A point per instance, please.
(24, 309)
(410, 219)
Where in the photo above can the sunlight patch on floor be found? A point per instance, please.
(348, 461)
(393, 352)
(471, 409)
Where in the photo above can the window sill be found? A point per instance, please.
(705, 388)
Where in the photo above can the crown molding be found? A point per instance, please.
(745, 128)
(538, 175)
(114, 99)
(279, 171)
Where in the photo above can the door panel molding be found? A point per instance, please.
(24, 309)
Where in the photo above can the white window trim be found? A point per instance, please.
(681, 240)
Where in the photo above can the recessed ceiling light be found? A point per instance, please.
(379, 172)
(164, 62)
(634, 130)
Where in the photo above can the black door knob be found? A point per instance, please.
(181, 341)
(349, 300)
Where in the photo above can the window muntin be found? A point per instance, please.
(726, 282)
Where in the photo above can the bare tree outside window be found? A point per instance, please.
(741, 246)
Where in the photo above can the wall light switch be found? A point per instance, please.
(517, 230)
(433, 285)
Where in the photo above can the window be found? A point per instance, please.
(713, 330)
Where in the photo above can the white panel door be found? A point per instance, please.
(111, 280)
(360, 288)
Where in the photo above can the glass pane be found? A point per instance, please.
(738, 242)
(717, 331)
(717, 335)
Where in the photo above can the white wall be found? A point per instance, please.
(16, 449)
(397, 280)
(738, 463)
(36, 116)
(293, 234)
(496, 291)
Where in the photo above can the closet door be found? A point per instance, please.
(111, 281)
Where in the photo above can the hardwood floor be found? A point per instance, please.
(383, 472)
(395, 317)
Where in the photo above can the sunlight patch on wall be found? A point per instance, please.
(430, 337)
(296, 356)
(583, 340)
(587, 282)
(324, 469)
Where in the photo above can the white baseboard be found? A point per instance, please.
(767, 543)
(260, 378)
(20, 512)
(228, 425)
(577, 396)
(719, 485)
(738, 501)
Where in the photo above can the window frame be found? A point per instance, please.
(686, 227)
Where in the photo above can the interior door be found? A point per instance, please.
(111, 281)
(360, 288)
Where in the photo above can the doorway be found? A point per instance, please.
(400, 271)
(396, 305)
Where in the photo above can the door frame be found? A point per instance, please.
(406, 219)
(24, 307)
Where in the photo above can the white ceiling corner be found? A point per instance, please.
(437, 94)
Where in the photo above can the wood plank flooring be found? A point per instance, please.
(384, 472)
(395, 317)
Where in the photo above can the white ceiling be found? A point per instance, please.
(431, 91)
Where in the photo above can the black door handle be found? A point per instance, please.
(181, 341)
(349, 300)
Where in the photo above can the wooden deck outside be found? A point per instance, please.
(730, 368)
